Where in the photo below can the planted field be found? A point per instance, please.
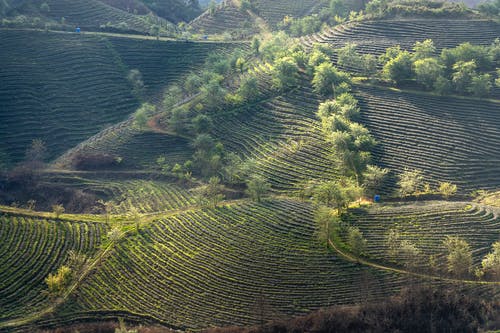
(161, 63)
(60, 88)
(274, 11)
(427, 224)
(224, 267)
(284, 138)
(227, 18)
(30, 249)
(375, 36)
(92, 14)
(449, 139)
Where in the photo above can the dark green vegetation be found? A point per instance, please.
(229, 181)
(64, 88)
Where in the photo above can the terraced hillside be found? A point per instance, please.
(161, 63)
(92, 15)
(60, 88)
(427, 224)
(284, 138)
(438, 135)
(77, 85)
(274, 11)
(30, 249)
(224, 267)
(227, 18)
(375, 36)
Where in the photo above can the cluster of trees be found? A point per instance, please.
(411, 182)
(465, 69)
(412, 8)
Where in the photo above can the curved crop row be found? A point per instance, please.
(227, 17)
(375, 36)
(59, 88)
(284, 138)
(274, 11)
(30, 249)
(427, 224)
(438, 135)
(232, 265)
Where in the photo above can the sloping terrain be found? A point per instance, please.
(60, 88)
(438, 135)
(30, 249)
(274, 11)
(375, 36)
(427, 224)
(223, 267)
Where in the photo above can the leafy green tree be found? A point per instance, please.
(257, 187)
(399, 69)
(134, 76)
(410, 182)
(393, 244)
(374, 178)
(369, 65)
(142, 115)
(427, 70)
(463, 72)
(212, 193)
(285, 73)
(338, 193)
(317, 57)
(491, 262)
(410, 254)
(423, 50)
(327, 77)
(213, 93)
(459, 256)
(442, 85)
(56, 283)
(349, 57)
(447, 189)
(480, 85)
(58, 210)
(193, 83)
(249, 88)
(390, 53)
(202, 123)
(356, 242)
(327, 223)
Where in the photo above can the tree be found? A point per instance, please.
(257, 187)
(249, 88)
(338, 193)
(369, 65)
(326, 221)
(491, 262)
(212, 193)
(463, 72)
(447, 189)
(393, 243)
(192, 84)
(134, 77)
(56, 283)
(285, 73)
(37, 151)
(373, 178)
(410, 182)
(349, 57)
(459, 256)
(427, 70)
(356, 241)
(399, 69)
(410, 254)
(442, 85)
(423, 50)
(114, 234)
(326, 77)
(202, 124)
(480, 85)
(58, 210)
(142, 115)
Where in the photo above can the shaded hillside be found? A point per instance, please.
(227, 18)
(438, 135)
(77, 84)
(59, 88)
